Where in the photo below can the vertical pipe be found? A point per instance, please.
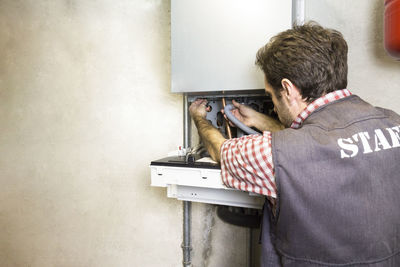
(187, 205)
(228, 129)
(186, 245)
(186, 122)
(298, 12)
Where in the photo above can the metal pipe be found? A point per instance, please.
(186, 245)
(186, 123)
(228, 129)
(187, 205)
(298, 12)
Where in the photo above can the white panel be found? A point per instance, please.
(201, 185)
(200, 177)
(218, 196)
(214, 43)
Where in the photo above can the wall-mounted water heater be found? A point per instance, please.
(213, 50)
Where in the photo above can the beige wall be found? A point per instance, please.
(85, 105)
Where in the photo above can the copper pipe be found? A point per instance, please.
(228, 128)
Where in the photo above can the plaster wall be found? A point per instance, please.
(85, 105)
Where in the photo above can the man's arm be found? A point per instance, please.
(267, 123)
(231, 172)
(210, 136)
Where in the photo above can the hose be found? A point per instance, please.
(228, 112)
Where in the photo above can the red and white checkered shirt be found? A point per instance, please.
(246, 162)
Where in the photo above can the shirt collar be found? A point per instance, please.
(319, 102)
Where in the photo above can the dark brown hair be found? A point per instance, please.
(312, 57)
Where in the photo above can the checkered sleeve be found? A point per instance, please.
(246, 164)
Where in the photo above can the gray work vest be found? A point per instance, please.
(338, 180)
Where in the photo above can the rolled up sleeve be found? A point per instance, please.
(246, 164)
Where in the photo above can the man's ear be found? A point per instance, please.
(290, 91)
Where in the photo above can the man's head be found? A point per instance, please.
(288, 103)
(312, 58)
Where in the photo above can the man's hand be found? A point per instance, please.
(198, 108)
(244, 113)
(252, 118)
(210, 136)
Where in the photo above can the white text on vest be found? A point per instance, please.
(349, 146)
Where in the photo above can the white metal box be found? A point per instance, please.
(214, 42)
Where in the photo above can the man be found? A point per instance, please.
(332, 173)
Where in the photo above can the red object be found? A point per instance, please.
(392, 27)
